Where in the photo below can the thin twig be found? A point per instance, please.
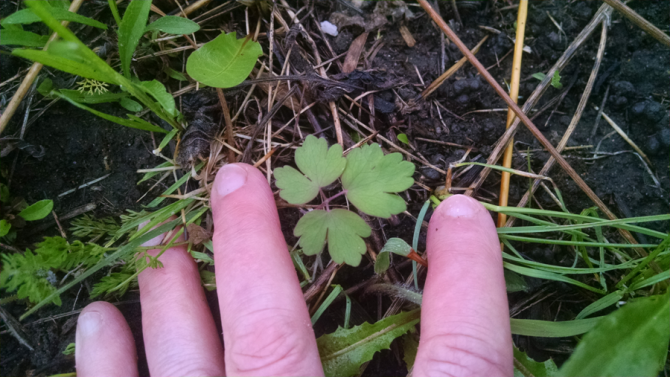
(514, 94)
(639, 21)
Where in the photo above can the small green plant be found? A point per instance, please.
(72, 56)
(225, 61)
(33, 274)
(555, 80)
(370, 180)
(69, 350)
(14, 212)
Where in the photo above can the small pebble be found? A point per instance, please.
(329, 28)
(431, 173)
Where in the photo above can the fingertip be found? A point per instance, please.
(104, 342)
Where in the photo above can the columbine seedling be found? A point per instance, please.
(370, 181)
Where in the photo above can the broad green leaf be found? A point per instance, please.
(131, 30)
(65, 64)
(27, 16)
(341, 228)
(61, 4)
(524, 366)
(173, 25)
(130, 105)
(38, 210)
(320, 165)
(371, 179)
(158, 91)
(514, 282)
(5, 226)
(80, 97)
(393, 245)
(133, 122)
(632, 341)
(344, 351)
(22, 38)
(403, 138)
(225, 61)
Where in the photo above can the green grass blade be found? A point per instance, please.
(548, 329)
(337, 289)
(22, 38)
(549, 276)
(573, 243)
(600, 304)
(131, 123)
(131, 30)
(665, 275)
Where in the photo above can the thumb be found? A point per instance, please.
(465, 329)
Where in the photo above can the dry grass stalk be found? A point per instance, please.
(514, 94)
(625, 137)
(31, 76)
(603, 13)
(527, 122)
(450, 72)
(573, 123)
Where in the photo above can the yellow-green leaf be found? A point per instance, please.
(371, 179)
(224, 61)
(342, 230)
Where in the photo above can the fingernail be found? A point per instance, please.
(461, 206)
(230, 178)
(89, 323)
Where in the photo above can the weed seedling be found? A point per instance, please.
(370, 180)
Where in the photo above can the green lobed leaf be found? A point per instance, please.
(524, 366)
(225, 61)
(371, 179)
(556, 80)
(344, 351)
(22, 38)
(320, 165)
(5, 226)
(131, 30)
(173, 25)
(342, 230)
(38, 210)
(27, 16)
(632, 341)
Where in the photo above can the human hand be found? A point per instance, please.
(465, 328)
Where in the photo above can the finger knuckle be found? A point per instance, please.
(266, 342)
(460, 354)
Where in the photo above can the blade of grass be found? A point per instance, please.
(549, 276)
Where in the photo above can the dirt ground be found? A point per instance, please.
(636, 68)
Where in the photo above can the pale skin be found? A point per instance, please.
(465, 327)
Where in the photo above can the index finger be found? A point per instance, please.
(465, 328)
